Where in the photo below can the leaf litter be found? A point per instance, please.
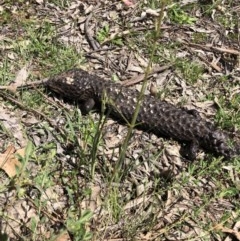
(9, 160)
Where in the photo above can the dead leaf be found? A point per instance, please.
(21, 77)
(228, 230)
(39, 1)
(63, 237)
(13, 125)
(142, 200)
(9, 160)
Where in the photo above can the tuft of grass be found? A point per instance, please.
(77, 227)
(178, 15)
(103, 33)
(191, 71)
(43, 46)
(199, 38)
(223, 118)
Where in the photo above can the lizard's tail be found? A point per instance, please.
(222, 146)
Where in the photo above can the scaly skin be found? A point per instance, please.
(159, 117)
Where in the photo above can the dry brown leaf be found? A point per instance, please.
(228, 230)
(63, 237)
(9, 160)
(137, 201)
(21, 77)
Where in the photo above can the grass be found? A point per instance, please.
(179, 16)
(73, 183)
(190, 70)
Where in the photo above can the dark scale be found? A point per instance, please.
(159, 117)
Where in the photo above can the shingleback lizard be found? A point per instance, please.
(156, 116)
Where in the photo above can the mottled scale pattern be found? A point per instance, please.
(156, 116)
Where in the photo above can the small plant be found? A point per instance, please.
(103, 33)
(4, 237)
(78, 227)
(178, 15)
(114, 205)
(191, 71)
(199, 37)
(223, 118)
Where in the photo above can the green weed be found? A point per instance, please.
(178, 15)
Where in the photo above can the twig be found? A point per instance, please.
(89, 38)
(214, 66)
(139, 78)
(40, 114)
(30, 85)
(48, 99)
(88, 54)
(5, 96)
(212, 48)
(126, 32)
